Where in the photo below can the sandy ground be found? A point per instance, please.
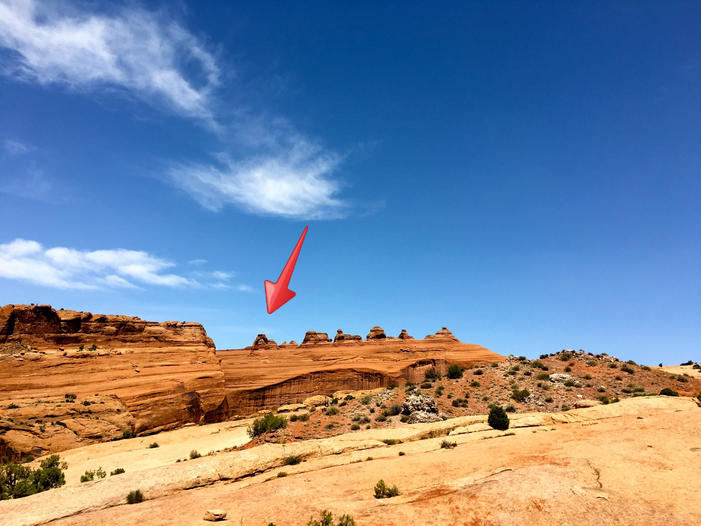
(635, 462)
(682, 369)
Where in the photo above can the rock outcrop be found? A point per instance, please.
(95, 376)
(341, 337)
(161, 375)
(315, 337)
(404, 336)
(376, 333)
(443, 334)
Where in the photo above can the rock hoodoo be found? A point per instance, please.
(262, 342)
(404, 336)
(443, 334)
(315, 337)
(341, 337)
(376, 333)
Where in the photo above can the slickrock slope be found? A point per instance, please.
(150, 376)
(598, 465)
(265, 378)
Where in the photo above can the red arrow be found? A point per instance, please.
(278, 293)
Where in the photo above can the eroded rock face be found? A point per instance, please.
(315, 337)
(443, 334)
(341, 337)
(162, 375)
(262, 342)
(419, 402)
(376, 333)
(404, 336)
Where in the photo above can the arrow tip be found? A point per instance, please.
(276, 295)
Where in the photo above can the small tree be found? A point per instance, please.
(668, 392)
(134, 497)
(454, 372)
(269, 422)
(498, 418)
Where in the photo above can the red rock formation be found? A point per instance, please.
(443, 334)
(262, 342)
(315, 337)
(341, 337)
(404, 336)
(376, 333)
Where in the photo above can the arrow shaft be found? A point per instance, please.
(289, 267)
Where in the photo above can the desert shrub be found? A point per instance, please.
(382, 491)
(87, 476)
(627, 369)
(604, 399)
(548, 399)
(568, 369)
(565, 407)
(448, 445)
(478, 372)
(269, 422)
(459, 402)
(153, 445)
(13, 406)
(689, 362)
(381, 418)
(510, 409)
(349, 397)
(394, 410)
(537, 364)
(591, 363)
(494, 365)
(293, 418)
(426, 385)
(330, 425)
(511, 372)
(682, 379)
(601, 389)
(474, 383)
(128, 433)
(520, 395)
(404, 419)
(134, 497)
(631, 362)
(570, 383)
(391, 441)
(432, 374)
(27, 459)
(355, 427)
(587, 376)
(281, 474)
(69, 397)
(117, 471)
(543, 376)
(613, 365)
(668, 392)
(18, 481)
(293, 460)
(365, 400)
(194, 454)
(498, 418)
(326, 519)
(619, 378)
(454, 372)
(645, 368)
(332, 411)
(565, 357)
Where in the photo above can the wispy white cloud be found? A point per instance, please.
(69, 268)
(14, 147)
(198, 261)
(143, 53)
(293, 180)
(245, 288)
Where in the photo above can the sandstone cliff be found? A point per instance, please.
(148, 376)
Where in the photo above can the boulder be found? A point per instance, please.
(560, 377)
(404, 335)
(419, 402)
(376, 333)
(316, 337)
(317, 400)
(214, 515)
(422, 417)
(586, 403)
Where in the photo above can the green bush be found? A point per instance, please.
(627, 369)
(382, 491)
(394, 410)
(478, 372)
(448, 445)
(117, 471)
(13, 406)
(153, 445)
(510, 409)
(355, 427)
(332, 411)
(194, 454)
(454, 372)
(269, 422)
(293, 460)
(326, 519)
(134, 497)
(520, 395)
(498, 418)
(668, 392)
(18, 481)
(128, 433)
(474, 383)
(543, 376)
(548, 400)
(432, 374)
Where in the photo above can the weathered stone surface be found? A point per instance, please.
(214, 515)
(315, 337)
(404, 336)
(341, 337)
(443, 334)
(560, 377)
(376, 333)
(290, 408)
(419, 402)
(316, 401)
(263, 342)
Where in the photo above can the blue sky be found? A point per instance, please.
(527, 175)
